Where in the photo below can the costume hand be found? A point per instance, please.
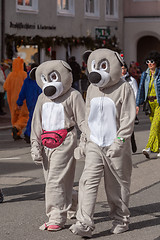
(79, 152)
(36, 155)
(115, 149)
(38, 160)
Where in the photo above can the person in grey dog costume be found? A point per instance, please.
(58, 107)
(110, 115)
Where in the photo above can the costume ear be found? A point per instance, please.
(32, 73)
(66, 65)
(86, 55)
(120, 59)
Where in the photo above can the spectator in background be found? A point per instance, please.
(29, 92)
(2, 92)
(139, 73)
(149, 89)
(134, 71)
(12, 86)
(76, 70)
(4, 68)
(83, 83)
(133, 83)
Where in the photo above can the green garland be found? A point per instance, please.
(47, 42)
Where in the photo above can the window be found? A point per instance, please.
(91, 8)
(65, 7)
(27, 6)
(112, 8)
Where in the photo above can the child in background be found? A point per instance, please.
(29, 92)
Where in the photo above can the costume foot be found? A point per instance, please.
(53, 228)
(15, 135)
(119, 227)
(27, 139)
(146, 152)
(81, 230)
(1, 196)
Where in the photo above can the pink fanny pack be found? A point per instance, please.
(53, 139)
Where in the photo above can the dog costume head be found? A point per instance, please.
(104, 67)
(53, 77)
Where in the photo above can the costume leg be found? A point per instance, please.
(88, 188)
(28, 127)
(117, 175)
(22, 119)
(59, 169)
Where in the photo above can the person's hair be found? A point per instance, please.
(125, 65)
(33, 65)
(131, 63)
(154, 55)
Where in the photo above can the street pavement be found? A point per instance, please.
(23, 209)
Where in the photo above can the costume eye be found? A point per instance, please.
(43, 78)
(53, 76)
(104, 65)
(93, 65)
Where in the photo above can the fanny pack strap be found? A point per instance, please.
(70, 129)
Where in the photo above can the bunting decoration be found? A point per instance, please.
(51, 42)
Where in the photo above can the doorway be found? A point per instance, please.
(29, 53)
(145, 45)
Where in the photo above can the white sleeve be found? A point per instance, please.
(134, 86)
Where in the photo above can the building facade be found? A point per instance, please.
(58, 29)
(141, 29)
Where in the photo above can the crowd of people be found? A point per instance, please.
(22, 93)
(137, 88)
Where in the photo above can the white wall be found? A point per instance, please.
(134, 29)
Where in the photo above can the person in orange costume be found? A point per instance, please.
(13, 85)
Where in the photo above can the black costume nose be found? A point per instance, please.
(49, 91)
(94, 77)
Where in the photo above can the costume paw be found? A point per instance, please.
(115, 150)
(119, 227)
(37, 157)
(79, 153)
(81, 230)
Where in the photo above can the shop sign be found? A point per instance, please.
(21, 25)
(102, 32)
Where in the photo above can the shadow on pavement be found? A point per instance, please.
(9, 143)
(150, 209)
(24, 193)
(13, 167)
